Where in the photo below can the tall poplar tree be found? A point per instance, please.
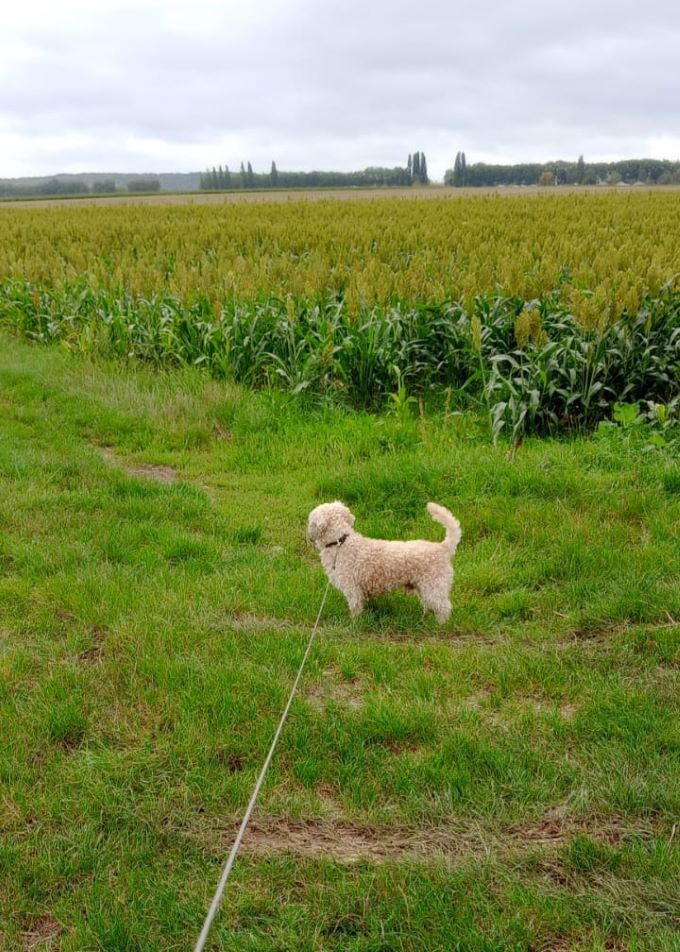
(456, 180)
(580, 170)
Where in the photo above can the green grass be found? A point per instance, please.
(150, 631)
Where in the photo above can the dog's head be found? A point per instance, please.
(328, 523)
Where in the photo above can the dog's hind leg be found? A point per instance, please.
(442, 611)
(435, 598)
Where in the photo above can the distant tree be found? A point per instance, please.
(409, 169)
(419, 168)
(250, 177)
(613, 177)
(547, 178)
(244, 179)
(227, 177)
(207, 181)
(580, 171)
(455, 178)
(143, 184)
(103, 186)
(274, 175)
(463, 169)
(68, 186)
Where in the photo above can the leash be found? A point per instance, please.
(219, 892)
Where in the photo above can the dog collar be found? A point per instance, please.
(337, 541)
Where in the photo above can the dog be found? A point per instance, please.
(361, 568)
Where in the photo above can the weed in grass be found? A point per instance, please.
(248, 535)
(671, 480)
(586, 856)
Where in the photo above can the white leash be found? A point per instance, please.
(219, 892)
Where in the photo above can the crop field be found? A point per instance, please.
(507, 781)
(616, 247)
(545, 310)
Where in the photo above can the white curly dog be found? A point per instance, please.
(361, 567)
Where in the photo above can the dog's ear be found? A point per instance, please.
(316, 526)
(349, 516)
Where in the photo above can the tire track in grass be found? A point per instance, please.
(161, 474)
(341, 840)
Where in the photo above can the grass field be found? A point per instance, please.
(510, 781)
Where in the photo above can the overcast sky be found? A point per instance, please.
(116, 85)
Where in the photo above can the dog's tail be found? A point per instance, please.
(450, 523)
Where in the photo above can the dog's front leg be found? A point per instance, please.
(355, 601)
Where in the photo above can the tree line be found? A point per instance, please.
(56, 187)
(627, 171)
(478, 174)
(220, 178)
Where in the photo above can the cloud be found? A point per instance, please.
(173, 86)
